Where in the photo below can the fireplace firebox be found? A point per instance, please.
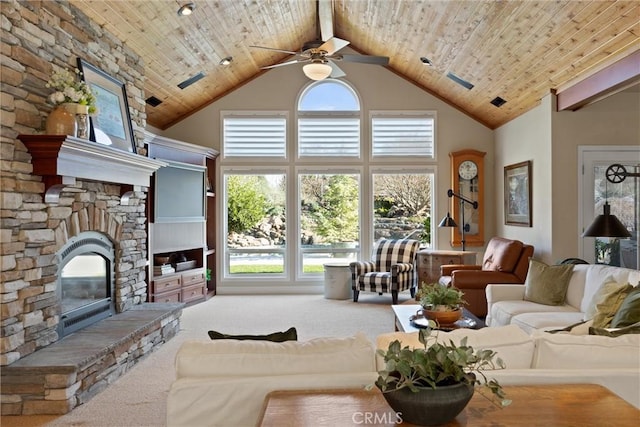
(85, 281)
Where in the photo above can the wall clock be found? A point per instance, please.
(467, 179)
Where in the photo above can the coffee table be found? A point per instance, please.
(403, 323)
(549, 405)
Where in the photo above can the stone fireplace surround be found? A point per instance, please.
(42, 374)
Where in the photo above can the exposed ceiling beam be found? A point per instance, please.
(612, 79)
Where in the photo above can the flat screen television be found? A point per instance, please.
(180, 193)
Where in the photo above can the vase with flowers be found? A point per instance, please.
(74, 101)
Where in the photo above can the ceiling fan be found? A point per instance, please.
(319, 55)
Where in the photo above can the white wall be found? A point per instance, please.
(527, 137)
(551, 140)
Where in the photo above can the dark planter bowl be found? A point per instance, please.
(430, 407)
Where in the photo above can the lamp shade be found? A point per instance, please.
(606, 225)
(317, 70)
(447, 221)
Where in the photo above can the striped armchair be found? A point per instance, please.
(393, 269)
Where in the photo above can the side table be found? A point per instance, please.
(429, 262)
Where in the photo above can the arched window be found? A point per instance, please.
(328, 120)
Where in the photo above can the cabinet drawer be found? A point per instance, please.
(192, 277)
(166, 284)
(167, 297)
(193, 292)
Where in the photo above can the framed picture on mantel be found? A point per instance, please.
(111, 124)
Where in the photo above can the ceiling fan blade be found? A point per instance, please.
(325, 18)
(365, 59)
(333, 45)
(335, 70)
(295, 61)
(276, 50)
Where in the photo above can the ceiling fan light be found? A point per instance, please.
(317, 71)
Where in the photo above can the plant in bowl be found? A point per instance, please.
(441, 303)
(433, 384)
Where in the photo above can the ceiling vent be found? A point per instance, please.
(498, 102)
(153, 101)
(191, 80)
(460, 81)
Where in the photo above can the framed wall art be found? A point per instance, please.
(517, 194)
(111, 124)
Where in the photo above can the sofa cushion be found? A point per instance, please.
(606, 302)
(529, 322)
(247, 358)
(289, 335)
(629, 311)
(501, 254)
(510, 343)
(565, 351)
(547, 284)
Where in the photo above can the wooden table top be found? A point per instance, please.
(551, 405)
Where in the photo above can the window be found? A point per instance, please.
(343, 201)
(402, 205)
(254, 136)
(329, 121)
(403, 135)
(329, 218)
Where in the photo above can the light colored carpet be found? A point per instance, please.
(138, 398)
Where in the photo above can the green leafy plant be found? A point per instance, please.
(436, 365)
(434, 294)
(246, 204)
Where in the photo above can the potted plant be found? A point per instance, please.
(441, 303)
(433, 384)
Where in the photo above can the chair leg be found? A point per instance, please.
(356, 292)
(394, 297)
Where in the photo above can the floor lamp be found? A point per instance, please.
(447, 221)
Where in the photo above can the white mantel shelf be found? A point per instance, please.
(60, 159)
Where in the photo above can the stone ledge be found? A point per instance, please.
(56, 379)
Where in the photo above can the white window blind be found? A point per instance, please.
(329, 136)
(255, 136)
(403, 136)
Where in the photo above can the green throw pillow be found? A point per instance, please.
(547, 284)
(607, 301)
(289, 335)
(616, 332)
(629, 311)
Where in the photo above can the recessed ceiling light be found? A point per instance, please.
(226, 61)
(426, 61)
(186, 9)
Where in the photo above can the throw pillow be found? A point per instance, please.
(547, 284)
(629, 311)
(289, 335)
(607, 301)
(616, 332)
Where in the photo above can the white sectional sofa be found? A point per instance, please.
(224, 382)
(506, 304)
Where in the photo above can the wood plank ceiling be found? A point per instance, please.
(517, 50)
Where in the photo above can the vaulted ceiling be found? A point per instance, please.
(515, 50)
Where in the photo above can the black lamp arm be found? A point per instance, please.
(450, 193)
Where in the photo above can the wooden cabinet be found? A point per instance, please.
(181, 221)
(184, 287)
(429, 262)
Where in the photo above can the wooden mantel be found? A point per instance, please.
(60, 159)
